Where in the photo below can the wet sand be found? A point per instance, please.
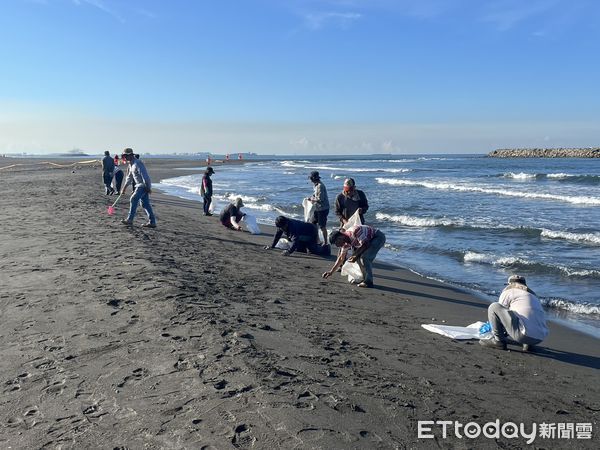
(193, 336)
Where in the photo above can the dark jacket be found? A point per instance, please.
(228, 212)
(346, 206)
(108, 164)
(206, 188)
(303, 236)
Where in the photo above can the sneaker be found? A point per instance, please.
(528, 348)
(149, 225)
(364, 284)
(493, 343)
(208, 214)
(127, 222)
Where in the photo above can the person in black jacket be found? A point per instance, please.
(349, 201)
(303, 235)
(108, 165)
(206, 190)
(232, 215)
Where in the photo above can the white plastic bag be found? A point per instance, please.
(309, 208)
(354, 220)
(352, 271)
(459, 333)
(283, 244)
(211, 207)
(251, 225)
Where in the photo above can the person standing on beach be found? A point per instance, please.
(517, 317)
(206, 190)
(232, 215)
(365, 242)
(108, 165)
(349, 201)
(321, 202)
(143, 187)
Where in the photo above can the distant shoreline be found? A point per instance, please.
(592, 152)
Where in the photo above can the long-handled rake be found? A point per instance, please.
(111, 209)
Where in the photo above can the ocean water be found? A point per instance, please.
(467, 220)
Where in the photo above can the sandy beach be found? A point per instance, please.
(192, 336)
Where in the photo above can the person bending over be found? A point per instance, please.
(365, 241)
(304, 236)
(232, 215)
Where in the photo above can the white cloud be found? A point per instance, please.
(319, 20)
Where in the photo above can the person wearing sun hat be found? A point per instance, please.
(321, 202)
(517, 317)
(143, 187)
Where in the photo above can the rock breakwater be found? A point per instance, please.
(592, 152)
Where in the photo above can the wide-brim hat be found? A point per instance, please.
(210, 170)
(314, 175)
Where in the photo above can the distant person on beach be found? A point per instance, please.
(304, 237)
(349, 201)
(143, 187)
(108, 166)
(206, 190)
(365, 242)
(232, 215)
(117, 181)
(321, 202)
(517, 317)
(116, 160)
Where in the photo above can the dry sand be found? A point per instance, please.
(192, 336)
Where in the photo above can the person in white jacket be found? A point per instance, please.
(517, 317)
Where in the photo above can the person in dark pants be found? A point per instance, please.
(321, 202)
(349, 201)
(232, 215)
(365, 242)
(304, 237)
(108, 165)
(206, 190)
(118, 178)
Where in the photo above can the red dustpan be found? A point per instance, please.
(111, 208)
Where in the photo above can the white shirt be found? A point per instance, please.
(527, 306)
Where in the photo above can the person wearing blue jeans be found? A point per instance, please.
(365, 241)
(143, 187)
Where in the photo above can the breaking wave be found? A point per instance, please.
(577, 200)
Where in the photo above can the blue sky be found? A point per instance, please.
(298, 76)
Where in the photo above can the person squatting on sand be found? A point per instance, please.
(232, 215)
(321, 202)
(143, 187)
(365, 242)
(304, 237)
(206, 190)
(108, 166)
(517, 317)
(349, 201)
